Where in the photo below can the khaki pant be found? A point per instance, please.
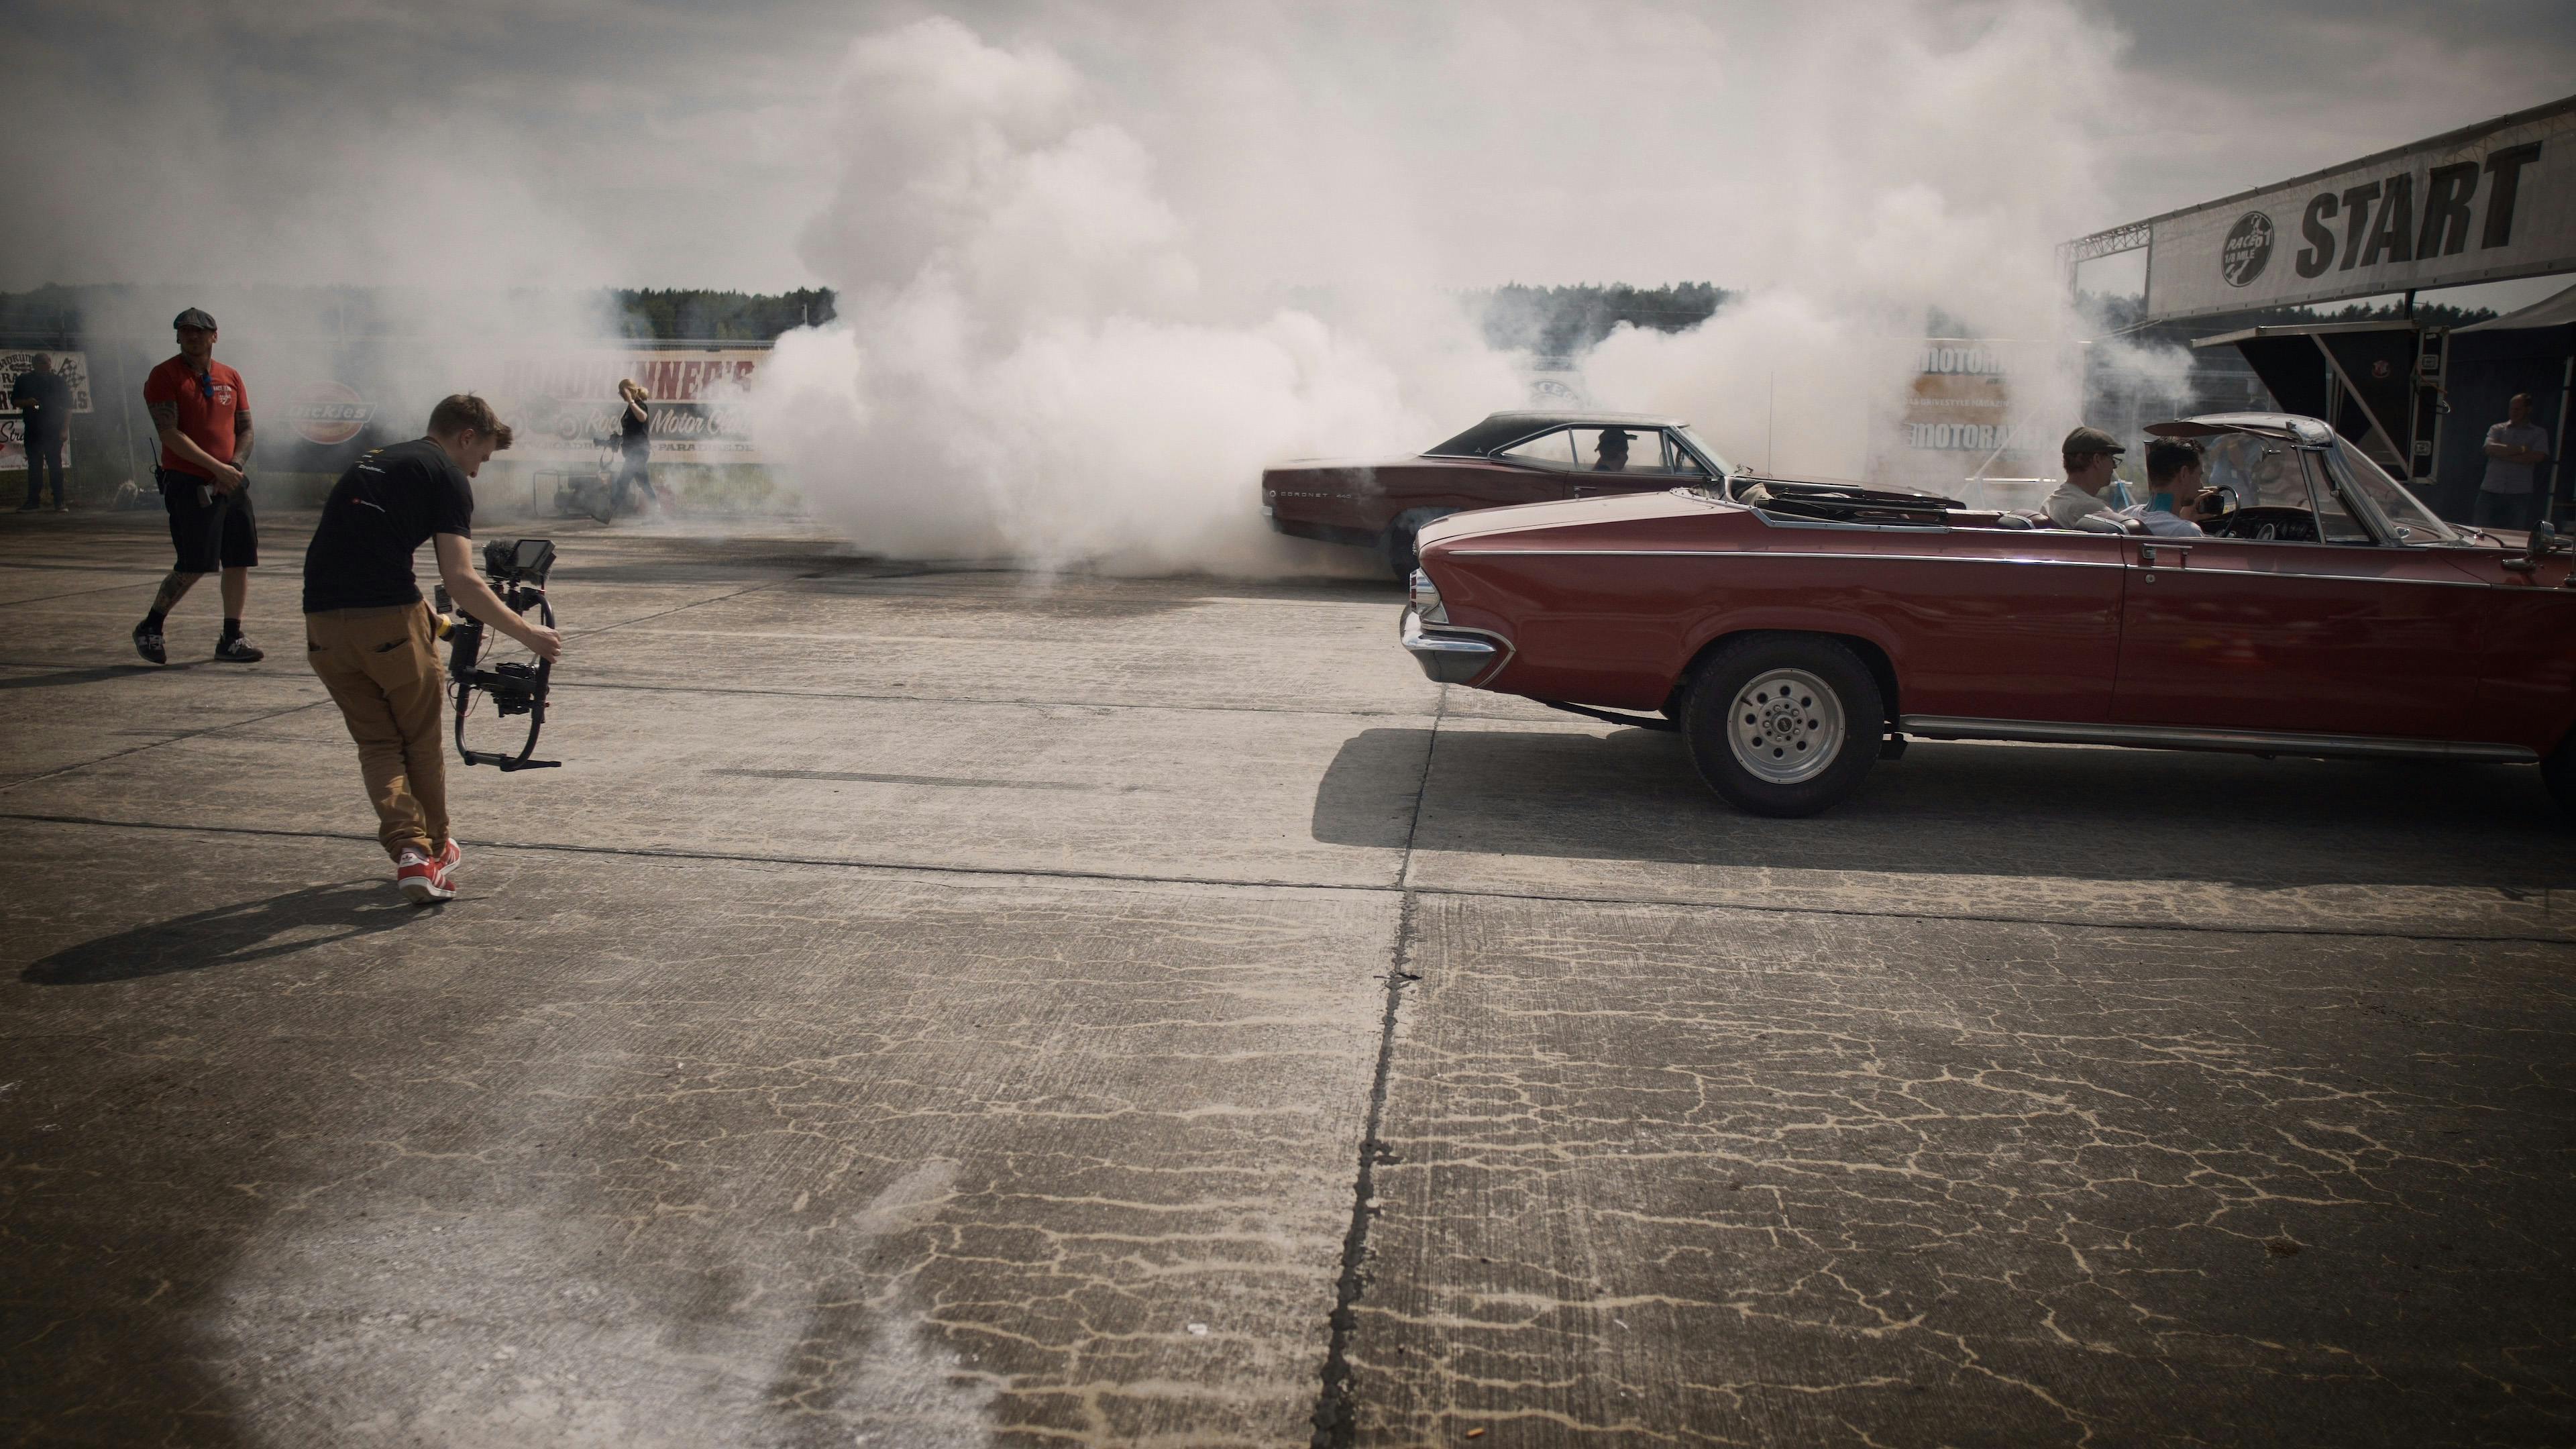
(381, 666)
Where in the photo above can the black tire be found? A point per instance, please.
(2558, 772)
(1397, 543)
(1811, 693)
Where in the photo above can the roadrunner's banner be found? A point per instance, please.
(564, 404)
(2481, 204)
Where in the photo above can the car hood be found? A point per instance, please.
(1572, 513)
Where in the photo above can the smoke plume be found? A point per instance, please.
(1081, 310)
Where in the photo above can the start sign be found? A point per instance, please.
(2482, 204)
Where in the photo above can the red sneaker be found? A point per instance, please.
(451, 857)
(421, 879)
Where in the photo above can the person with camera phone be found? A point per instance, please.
(373, 640)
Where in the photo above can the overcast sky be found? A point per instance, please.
(674, 142)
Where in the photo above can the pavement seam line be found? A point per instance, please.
(276, 714)
(1336, 1400)
(677, 609)
(156, 744)
(74, 594)
(996, 703)
(1107, 877)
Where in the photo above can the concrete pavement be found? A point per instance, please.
(942, 1005)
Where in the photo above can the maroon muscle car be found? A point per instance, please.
(1793, 632)
(1506, 459)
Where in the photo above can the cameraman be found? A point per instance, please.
(370, 637)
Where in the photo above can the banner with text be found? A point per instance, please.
(2481, 204)
(565, 406)
(13, 445)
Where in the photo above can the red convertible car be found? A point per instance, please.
(1796, 632)
(1506, 459)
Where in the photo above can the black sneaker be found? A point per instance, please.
(147, 642)
(239, 650)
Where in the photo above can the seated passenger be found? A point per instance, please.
(1614, 451)
(2090, 454)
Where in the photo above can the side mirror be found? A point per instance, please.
(2544, 542)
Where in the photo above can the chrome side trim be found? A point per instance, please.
(2053, 563)
(2170, 737)
(1768, 521)
(1455, 654)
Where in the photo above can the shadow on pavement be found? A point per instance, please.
(1963, 809)
(228, 935)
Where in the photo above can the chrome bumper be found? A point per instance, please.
(1448, 657)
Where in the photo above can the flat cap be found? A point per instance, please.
(2090, 440)
(194, 317)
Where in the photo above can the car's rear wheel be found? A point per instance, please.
(1397, 543)
(1784, 724)
(2558, 771)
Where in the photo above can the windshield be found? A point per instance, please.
(1716, 464)
(2415, 522)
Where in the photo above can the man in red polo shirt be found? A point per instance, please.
(202, 413)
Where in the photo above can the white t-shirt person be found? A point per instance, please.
(2504, 475)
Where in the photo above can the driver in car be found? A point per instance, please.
(1613, 454)
(2178, 481)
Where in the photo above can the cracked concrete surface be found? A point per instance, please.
(944, 1006)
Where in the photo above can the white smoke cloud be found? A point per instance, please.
(1019, 367)
(1054, 342)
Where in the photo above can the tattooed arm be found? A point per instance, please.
(165, 421)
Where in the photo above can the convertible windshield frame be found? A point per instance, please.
(2354, 468)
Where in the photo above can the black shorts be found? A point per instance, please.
(224, 533)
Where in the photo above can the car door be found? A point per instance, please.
(1538, 469)
(2335, 632)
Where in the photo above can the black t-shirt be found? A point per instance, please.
(44, 399)
(635, 434)
(378, 515)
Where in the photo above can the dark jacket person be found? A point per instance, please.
(372, 640)
(43, 398)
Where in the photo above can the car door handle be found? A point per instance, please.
(2164, 555)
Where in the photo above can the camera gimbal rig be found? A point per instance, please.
(510, 673)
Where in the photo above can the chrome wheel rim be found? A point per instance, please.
(1786, 726)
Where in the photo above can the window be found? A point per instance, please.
(1547, 450)
(2335, 523)
(1679, 462)
(1620, 450)
(2415, 523)
(2261, 471)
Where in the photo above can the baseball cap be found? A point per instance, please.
(2090, 440)
(193, 317)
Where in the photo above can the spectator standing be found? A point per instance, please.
(371, 639)
(202, 412)
(634, 445)
(2515, 450)
(43, 398)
